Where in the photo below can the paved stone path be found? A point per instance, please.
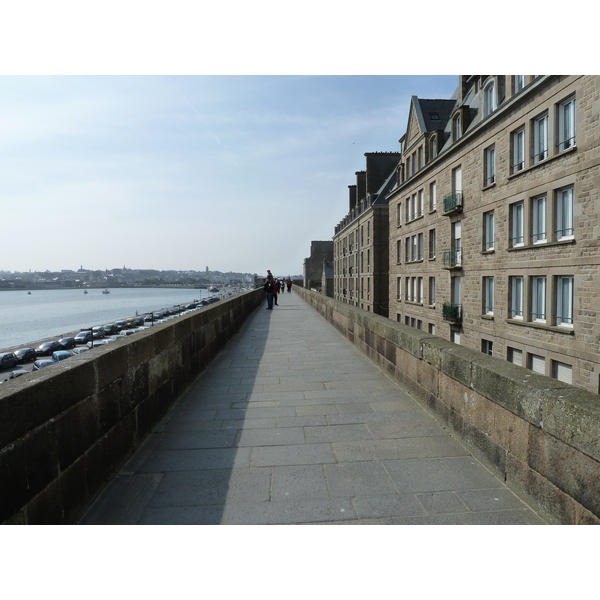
(291, 425)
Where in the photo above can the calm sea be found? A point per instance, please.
(50, 313)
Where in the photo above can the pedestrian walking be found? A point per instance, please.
(275, 291)
(289, 284)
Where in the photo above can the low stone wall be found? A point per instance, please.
(67, 429)
(541, 436)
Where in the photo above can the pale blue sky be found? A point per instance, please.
(238, 173)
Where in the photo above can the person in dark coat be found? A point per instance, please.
(269, 288)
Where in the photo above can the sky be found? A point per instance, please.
(234, 172)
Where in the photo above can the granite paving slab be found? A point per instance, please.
(290, 424)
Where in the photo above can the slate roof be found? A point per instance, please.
(429, 108)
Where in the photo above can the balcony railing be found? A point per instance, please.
(453, 203)
(452, 258)
(452, 313)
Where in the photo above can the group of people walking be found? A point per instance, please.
(275, 286)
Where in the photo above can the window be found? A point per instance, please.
(411, 208)
(456, 242)
(516, 214)
(562, 372)
(537, 364)
(487, 347)
(455, 290)
(540, 139)
(564, 301)
(538, 299)
(432, 328)
(457, 180)
(420, 289)
(398, 252)
(490, 166)
(456, 127)
(518, 82)
(538, 231)
(432, 291)
(518, 150)
(515, 356)
(432, 148)
(398, 288)
(488, 295)
(420, 246)
(420, 157)
(488, 231)
(432, 196)
(566, 125)
(399, 214)
(516, 298)
(431, 244)
(489, 98)
(420, 203)
(564, 214)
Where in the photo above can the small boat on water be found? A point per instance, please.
(105, 291)
(29, 293)
(213, 288)
(85, 291)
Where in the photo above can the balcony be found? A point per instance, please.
(453, 203)
(452, 313)
(452, 258)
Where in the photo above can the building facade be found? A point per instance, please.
(361, 239)
(494, 222)
(320, 250)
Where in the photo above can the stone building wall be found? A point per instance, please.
(522, 338)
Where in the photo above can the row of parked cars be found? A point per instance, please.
(66, 347)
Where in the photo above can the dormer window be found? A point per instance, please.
(432, 148)
(456, 127)
(489, 98)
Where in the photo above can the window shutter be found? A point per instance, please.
(564, 372)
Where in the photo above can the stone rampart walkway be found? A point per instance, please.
(292, 425)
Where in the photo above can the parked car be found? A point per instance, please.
(17, 373)
(67, 343)
(98, 333)
(25, 354)
(8, 360)
(47, 348)
(83, 337)
(96, 343)
(79, 350)
(114, 338)
(138, 321)
(43, 363)
(111, 329)
(120, 325)
(60, 355)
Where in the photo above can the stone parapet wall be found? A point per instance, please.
(541, 436)
(67, 429)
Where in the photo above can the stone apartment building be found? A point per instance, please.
(320, 251)
(361, 239)
(494, 222)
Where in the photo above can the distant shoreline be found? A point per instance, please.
(101, 287)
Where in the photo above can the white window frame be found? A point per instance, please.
(488, 231)
(565, 289)
(432, 291)
(517, 216)
(518, 148)
(566, 124)
(562, 372)
(516, 297)
(398, 288)
(564, 214)
(489, 98)
(432, 244)
(490, 166)
(432, 196)
(538, 299)
(519, 82)
(487, 347)
(539, 220)
(540, 138)
(488, 295)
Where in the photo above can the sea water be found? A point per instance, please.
(26, 318)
